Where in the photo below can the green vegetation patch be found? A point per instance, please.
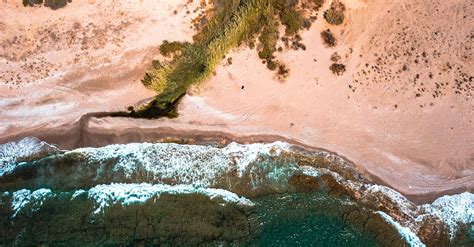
(234, 22)
(268, 38)
(292, 19)
(170, 48)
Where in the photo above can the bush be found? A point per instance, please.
(335, 57)
(170, 48)
(338, 68)
(318, 3)
(269, 36)
(53, 4)
(156, 64)
(31, 3)
(283, 71)
(328, 38)
(271, 65)
(335, 14)
(292, 19)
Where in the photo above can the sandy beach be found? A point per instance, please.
(402, 111)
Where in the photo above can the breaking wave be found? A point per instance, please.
(226, 190)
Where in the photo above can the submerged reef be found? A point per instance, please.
(166, 193)
(123, 213)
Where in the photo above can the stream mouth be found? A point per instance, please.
(177, 194)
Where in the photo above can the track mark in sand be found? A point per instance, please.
(65, 89)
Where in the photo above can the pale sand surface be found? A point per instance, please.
(423, 145)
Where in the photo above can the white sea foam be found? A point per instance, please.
(452, 210)
(405, 206)
(405, 232)
(12, 152)
(245, 154)
(125, 194)
(27, 198)
(187, 164)
(310, 171)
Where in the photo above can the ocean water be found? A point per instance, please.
(240, 195)
(307, 220)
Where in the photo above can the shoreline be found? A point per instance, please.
(374, 114)
(78, 135)
(249, 171)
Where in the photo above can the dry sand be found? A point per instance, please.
(403, 111)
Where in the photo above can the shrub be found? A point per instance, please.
(32, 2)
(56, 4)
(53, 4)
(328, 38)
(292, 19)
(335, 57)
(283, 71)
(156, 64)
(170, 48)
(335, 14)
(269, 36)
(318, 3)
(337, 68)
(271, 65)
